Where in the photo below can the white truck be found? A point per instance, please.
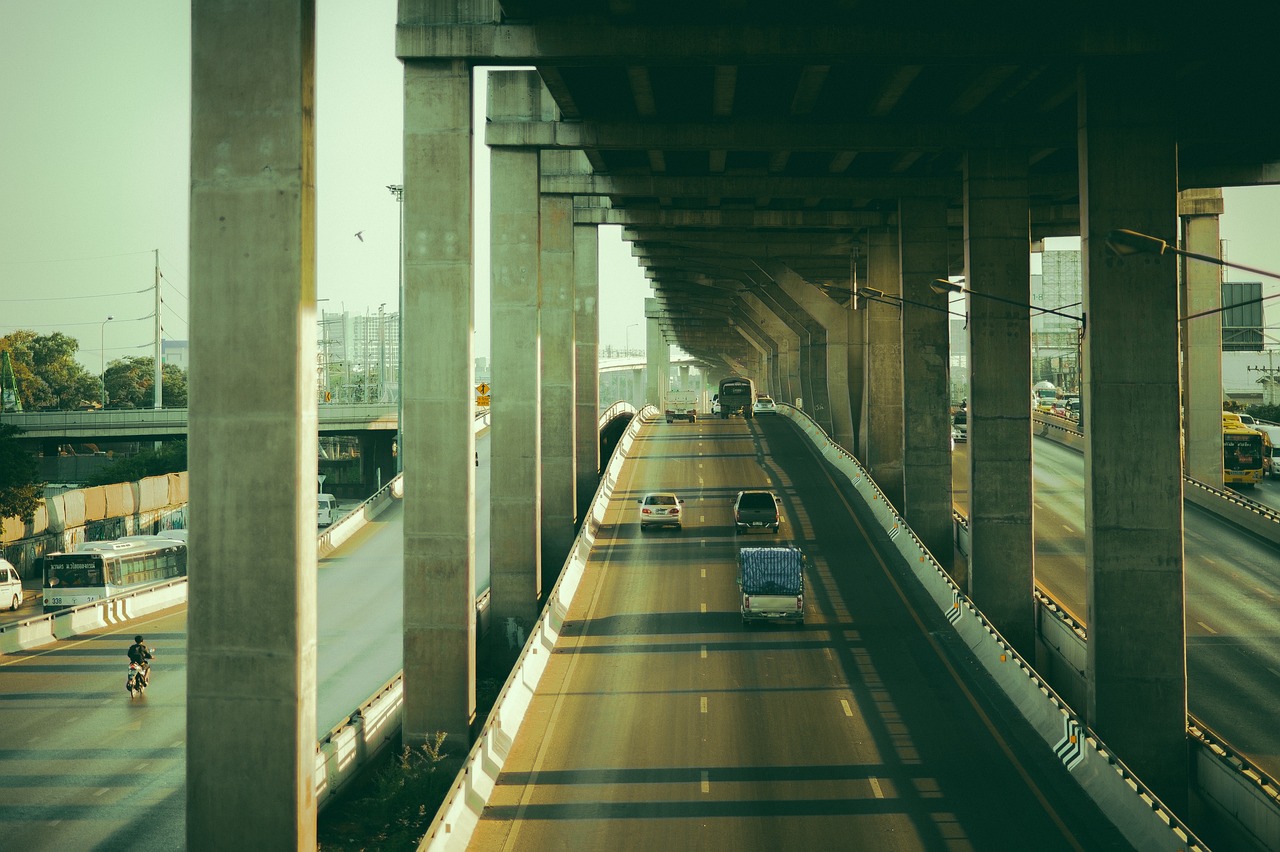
(682, 405)
(771, 580)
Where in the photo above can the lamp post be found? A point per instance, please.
(102, 357)
(1124, 242)
(397, 191)
(633, 325)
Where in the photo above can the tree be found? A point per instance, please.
(131, 383)
(49, 377)
(170, 458)
(21, 489)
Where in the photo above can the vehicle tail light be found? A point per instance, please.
(674, 511)
(646, 511)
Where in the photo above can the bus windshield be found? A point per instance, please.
(1242, 451)
(73, 571)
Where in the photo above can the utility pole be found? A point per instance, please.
(159, 367)
(1270, 377)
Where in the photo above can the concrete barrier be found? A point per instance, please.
(457, 818)
(1119, 794)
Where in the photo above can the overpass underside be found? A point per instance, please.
(794, 183)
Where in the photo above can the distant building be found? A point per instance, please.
(175, 352)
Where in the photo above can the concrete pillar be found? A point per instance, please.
(1202, 337)
(251, 657)
(810, 351)
(926, 358)
(586, 331)
(515, 495)
(439, 406)
(882, 411)
(834, 320)
(786, 341)
(377, 461)
(657, 356)
(997, 251)
(856, 325)
(559, 423)
(1137, 674)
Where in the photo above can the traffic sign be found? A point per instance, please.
(482, 389)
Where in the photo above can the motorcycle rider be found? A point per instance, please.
(139, 653)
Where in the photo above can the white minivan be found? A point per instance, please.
(326, 510)
(10, 586)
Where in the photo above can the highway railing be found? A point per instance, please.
(1118, 793)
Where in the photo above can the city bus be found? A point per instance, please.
(737, 396)
(1241, 453)
(98, 569)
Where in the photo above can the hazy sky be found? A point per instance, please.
(94, 175)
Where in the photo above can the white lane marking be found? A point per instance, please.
(704, 652)
(699, 464)
(140, 767)
(706, 781)
(1067, 527)
(704, 607)
(1206, 627)
(101, 791)
(827, 651)
(875, 788)
(704, 573)
(702, 519)
(1263, 592)
(704, 704)
(848, 711)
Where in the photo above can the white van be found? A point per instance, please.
(326, 510)
(10, 586)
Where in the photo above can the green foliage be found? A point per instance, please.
(21, 489)
(48, 375)
(170, 458)
(398, 804)
(131, 384)
(1264, 412)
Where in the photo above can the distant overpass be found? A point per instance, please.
(153, 424)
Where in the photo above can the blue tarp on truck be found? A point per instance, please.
(772, 583)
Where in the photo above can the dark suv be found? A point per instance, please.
(756, 510)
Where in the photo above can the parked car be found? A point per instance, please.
(764, 405)
(660, 509)
(756, 510)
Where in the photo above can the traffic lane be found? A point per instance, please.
(84, 766)
(360, 613)
(931, 732)
(662, 720)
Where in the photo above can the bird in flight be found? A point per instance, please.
(359, 236)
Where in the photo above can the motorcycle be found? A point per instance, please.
(138, 679)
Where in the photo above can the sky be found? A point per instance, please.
(94, 172)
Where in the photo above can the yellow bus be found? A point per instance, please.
(1242, 452)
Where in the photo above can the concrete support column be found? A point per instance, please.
(882, 412)
(556, 323)
(515, 495)
(1137, 673)
(834, 319)
(252, 656)
(997, 251)
(810, 358)
(1202, 337)
(377, 461)
(586, 329)
(657, 355)
(786, 342)
(439, 406)
(926, 358)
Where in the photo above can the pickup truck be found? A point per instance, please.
(771, 580)
(756, 510)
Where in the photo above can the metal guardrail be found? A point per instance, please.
(619, 407)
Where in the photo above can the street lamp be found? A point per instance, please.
(943, 285)
(397, 191)
(633, 325)
(102, 357)
(1124, 242)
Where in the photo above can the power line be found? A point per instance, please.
(74, 259)
(75, 298)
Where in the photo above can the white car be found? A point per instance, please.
(10, 586)
(764, 405)
(660, 509)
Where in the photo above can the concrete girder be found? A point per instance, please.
(744, 135)
(786, 341)
(834, 319)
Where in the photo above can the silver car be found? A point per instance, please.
(660, 509)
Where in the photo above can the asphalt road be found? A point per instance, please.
(663, 723)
